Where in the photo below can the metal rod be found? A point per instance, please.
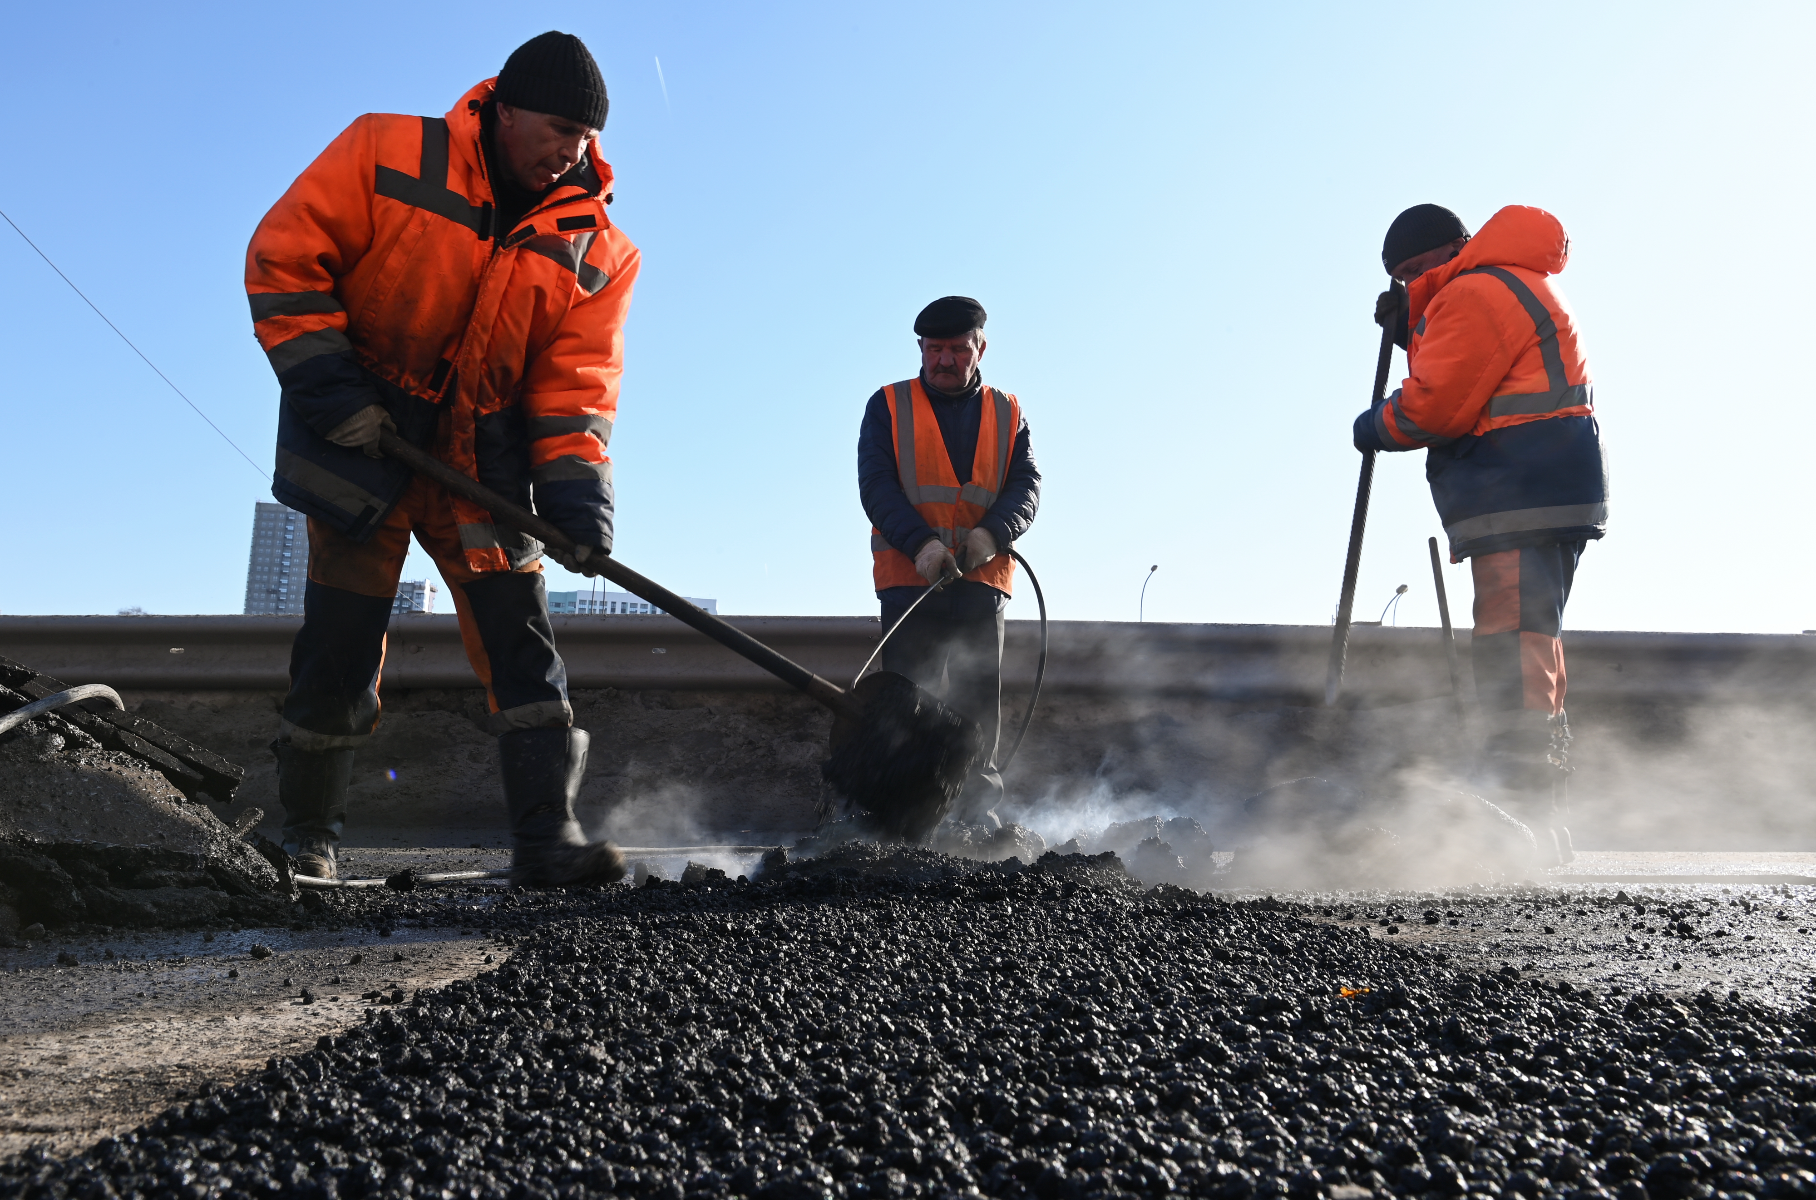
(1352, 562)
(1450, 636)
(82, 691)
(309, 881)
(524, 521)
(657, 851)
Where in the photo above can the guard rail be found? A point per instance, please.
(1263, 663)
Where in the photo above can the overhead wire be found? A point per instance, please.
(262, 474)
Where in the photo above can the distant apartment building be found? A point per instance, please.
(279, 566)
(414, 596)
(279, 562)
(605, 604)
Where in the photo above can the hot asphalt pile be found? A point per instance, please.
(893, 1023)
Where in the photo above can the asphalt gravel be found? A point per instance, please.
(886, 1022)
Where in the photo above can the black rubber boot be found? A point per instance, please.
(1523, 771)
(542, 769)
(312, 785)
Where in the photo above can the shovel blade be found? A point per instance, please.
(902, 762)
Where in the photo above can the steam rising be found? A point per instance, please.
(1381, 795)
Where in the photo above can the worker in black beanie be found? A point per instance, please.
(1422, 237)
(549, 103)
(1499, 395)
(554, 73)
(1421, 228)
(483, 229)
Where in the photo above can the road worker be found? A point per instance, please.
(454, 279)
(1498, 393)
(947, 477)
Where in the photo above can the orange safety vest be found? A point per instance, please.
(932, 485)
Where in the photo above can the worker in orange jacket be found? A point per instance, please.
(454, 279)
(1499, 394)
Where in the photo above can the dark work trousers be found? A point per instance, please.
(339, 653)
(953, 647)
(1516, 650)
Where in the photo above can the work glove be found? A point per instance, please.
(933, 562)
(980, 548)
(1366, 433)
(585, 560)
(1391, 306)
(361, 430)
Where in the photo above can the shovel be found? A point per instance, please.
(898, 753)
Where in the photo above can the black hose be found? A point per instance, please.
(1040, 669)
(899, 622)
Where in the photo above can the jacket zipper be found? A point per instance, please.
(460, 347)
(485, 272)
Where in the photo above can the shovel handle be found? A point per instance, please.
(1358, 523)
(527, 522)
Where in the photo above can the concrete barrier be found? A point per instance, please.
(1274, 663)
(1684, 740)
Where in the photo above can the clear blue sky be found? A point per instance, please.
(1172, 211)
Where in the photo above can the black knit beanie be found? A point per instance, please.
(1420, 228)
(554, 73)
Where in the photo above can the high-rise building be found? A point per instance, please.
(279, 562)
(611, 604)
(414, 596)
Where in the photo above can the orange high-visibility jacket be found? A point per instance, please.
(379, 278)
(1499, 392)
(932, 486)
(1485, 353)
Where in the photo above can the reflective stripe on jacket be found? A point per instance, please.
(932, 486)
(1499, 391)
(379, 278)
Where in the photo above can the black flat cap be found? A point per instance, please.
(950, 316)
(1420, 228)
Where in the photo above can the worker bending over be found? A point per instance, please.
(454, 279)
(1498, 394)
(948, 480)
